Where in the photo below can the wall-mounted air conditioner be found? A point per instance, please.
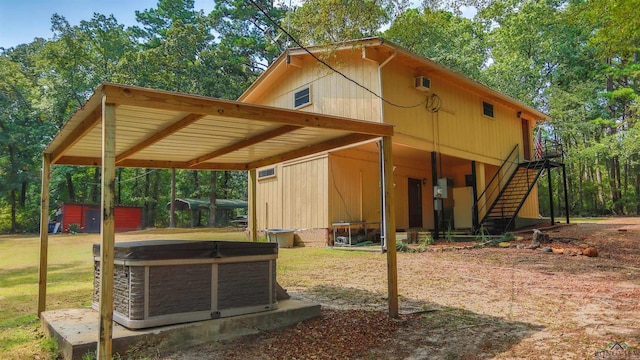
(422, 83)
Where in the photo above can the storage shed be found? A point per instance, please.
(226, 210)
(127, 218)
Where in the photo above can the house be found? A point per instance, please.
(463, 156)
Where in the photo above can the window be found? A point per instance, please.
(487, 109)
(266, 173)
(302, 97)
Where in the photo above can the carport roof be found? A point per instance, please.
(161, 129)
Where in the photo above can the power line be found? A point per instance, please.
(254, 3)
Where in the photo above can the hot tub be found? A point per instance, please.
(162, 282)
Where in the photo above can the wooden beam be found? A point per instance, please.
(295, 61)
(312, 149)
(44, 233)
(252, 210)
(164, 100)
(159, 135)
(79, 161)
(156, 164)
(390, 230)
(76, 134)
(181, 165)
(107, 230)
(244, 143)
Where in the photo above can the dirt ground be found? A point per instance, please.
(489, 303)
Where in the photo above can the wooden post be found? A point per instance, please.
(107, 230)
(252, 211)
(390, 228)
(44, 233)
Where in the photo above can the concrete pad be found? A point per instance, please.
(76, 330)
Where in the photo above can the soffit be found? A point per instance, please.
(171, 130)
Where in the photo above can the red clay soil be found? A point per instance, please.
(489, 303)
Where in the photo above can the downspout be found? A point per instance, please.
(383, 200)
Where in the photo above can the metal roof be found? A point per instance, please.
(161, 129)
(195, 204)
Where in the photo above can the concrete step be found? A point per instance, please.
(76, 330)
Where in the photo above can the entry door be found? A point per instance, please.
(415, 203)
(526, 139)
(463, 207)
(93, 221)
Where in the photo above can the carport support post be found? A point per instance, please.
(390, 227)
(251, 213)
(44, 233)
(107, 229)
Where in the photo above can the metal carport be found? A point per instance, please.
(126, 126)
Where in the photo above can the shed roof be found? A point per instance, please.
(162, 129)
(196, 204)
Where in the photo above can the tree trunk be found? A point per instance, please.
(13, 211)
(636, 159)
(599, 183)
(614, 182)
(212, 199)
(95, 193)
(119, 184)
(172, 207)
(147, 219)
(70, 187)
(23, 195)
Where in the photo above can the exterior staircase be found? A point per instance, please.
(501, 214)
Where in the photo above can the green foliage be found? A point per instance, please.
(574, 60)
(74, 228)
(457, 42)
(51, 347)
(427, 240)
(508, 236)
(402, 247)
(325, 22)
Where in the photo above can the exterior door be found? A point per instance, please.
(463, 207)
(415, 203)
(93, 221)
(526, 139)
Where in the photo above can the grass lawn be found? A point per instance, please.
(70, 281)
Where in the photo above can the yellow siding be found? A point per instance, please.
(355, 193)
(305, 194)
(330, 92)
(269, 201)
(344, 186)
(296, 197)
(459, 128)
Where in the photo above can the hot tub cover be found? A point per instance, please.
(186, 249)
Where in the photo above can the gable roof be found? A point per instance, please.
(379, 48)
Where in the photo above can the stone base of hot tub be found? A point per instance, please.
(76, 330)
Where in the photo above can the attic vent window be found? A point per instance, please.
(302, 97)
(266, 173)
(487, 109)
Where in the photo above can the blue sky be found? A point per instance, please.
(23, 20)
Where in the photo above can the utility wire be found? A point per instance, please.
(254, 3)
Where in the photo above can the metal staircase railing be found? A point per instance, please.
(496, 185)
(521, 197)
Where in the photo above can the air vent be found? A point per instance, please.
(422, 83)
